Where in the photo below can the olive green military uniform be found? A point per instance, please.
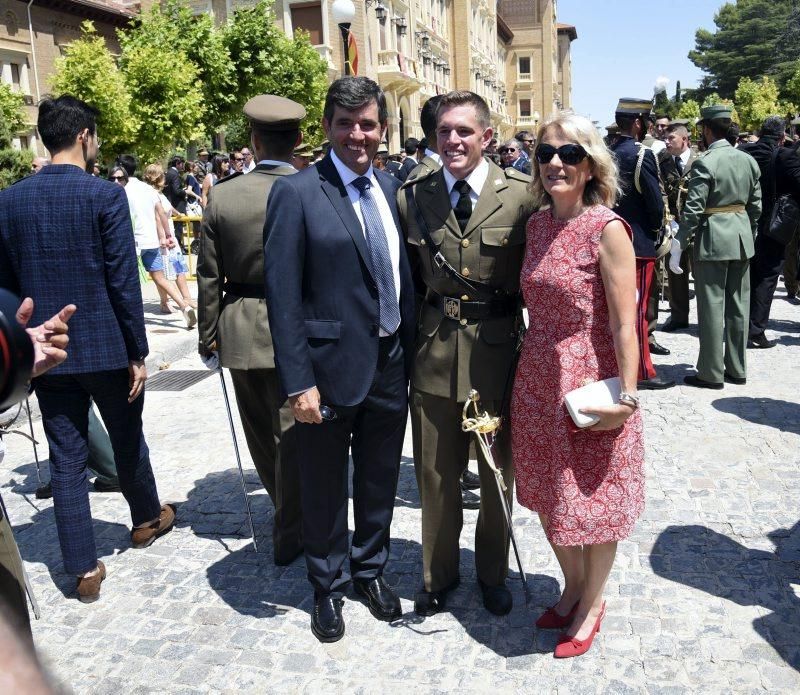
(454, 355)
(723, 204)
(13, 602)
(233, 320)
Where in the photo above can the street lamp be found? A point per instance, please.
(343, 12)
(402, 25)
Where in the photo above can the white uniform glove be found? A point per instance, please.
(675, 257)
(211, 360)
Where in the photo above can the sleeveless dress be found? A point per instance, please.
(589, 484)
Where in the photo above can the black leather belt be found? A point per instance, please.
(457, 309)
(250, 290)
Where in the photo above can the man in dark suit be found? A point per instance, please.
(65, 213)
(780, 174)
(233, 326)
(340, 302)
(176, 192)
(642, 207)
(410, 162)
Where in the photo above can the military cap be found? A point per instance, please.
(679, 121)
(202, 150)
(612, 128)
(273, 112)
(317, 150)
(383, 149)
(718, 112)
(304, 150)
(634, 107)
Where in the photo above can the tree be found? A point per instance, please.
(753, 38)
(755, 101)
(88, 71)
(714, 98)
(14, 164)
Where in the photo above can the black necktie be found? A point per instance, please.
(679, 165)
(463, 208)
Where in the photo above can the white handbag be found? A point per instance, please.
(598, 393)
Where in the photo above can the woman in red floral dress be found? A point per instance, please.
(579, 285)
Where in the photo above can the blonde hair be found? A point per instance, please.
(154, 175)
(603, 188)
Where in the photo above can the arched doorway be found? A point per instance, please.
(402, 128)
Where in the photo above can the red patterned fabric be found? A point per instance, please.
(589, 484)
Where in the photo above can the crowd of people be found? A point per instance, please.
(345, 294)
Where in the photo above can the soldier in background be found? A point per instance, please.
(233, 326)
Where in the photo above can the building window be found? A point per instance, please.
(23, 142)
(524, 108)
(15, 83)
(308, 16)
(524, 67)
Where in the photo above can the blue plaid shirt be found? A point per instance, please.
(66, 238)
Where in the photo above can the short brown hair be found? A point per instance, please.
(154, 175)
(466, 98)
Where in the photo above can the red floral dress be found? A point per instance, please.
(589, 484)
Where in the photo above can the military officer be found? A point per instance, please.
(641, 205)
(233, 311)
(301, 157)
(675, 163)
(723, 204)
(466, 222)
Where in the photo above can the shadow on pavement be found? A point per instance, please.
(782, 415)
(704, 559)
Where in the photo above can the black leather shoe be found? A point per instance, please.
(469, 500)
(761, 342)
(496, 599)
(657, 349)
(432, 602)
(45, 492)
(382, 601)
(694, 380)
(470, 480)
(655, 384)
(738, 380)
(327, 623)
(106, 485)
(672, 325)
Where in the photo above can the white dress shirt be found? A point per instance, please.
(475, 180)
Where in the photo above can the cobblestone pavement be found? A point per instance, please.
(703, 596)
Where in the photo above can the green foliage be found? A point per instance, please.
(753, 38)
(14, 164)
(12, 114)
(755, 101)
(88, 71)
(689, 109)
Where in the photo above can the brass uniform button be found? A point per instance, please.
(505, 242)
(465, 243)
(422, 242)
(463, 322)
(464, 298)
(465, 272)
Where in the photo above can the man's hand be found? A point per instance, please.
(49, 339)
(305, 406)
(210, 359)
(675, 257)
(138, 375)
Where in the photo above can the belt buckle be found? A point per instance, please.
(452, 308)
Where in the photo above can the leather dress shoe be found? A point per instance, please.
(672, 325)
(469, 500)
(432, 602)
(694, 380)
(657, 349)
(470, 480)
(655, 384)
(496, 599)
(89, 587)
(738, 380)
(382, 601)
(761, 342)
(327, 623)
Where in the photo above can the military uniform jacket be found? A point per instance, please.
(454, 356)
(644, 211)
(232, 249)
(674, 182)
(722, 176)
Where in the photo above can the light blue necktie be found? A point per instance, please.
(379, 254)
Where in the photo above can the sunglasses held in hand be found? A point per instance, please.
(568, 154)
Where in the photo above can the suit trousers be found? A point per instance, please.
(644, 284)
(723, 307)
(790, 265)
(441, 453)
(679, 289)
(765, 267)
(373, 431)
(64, 403)
(269, 428)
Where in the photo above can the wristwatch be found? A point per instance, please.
(629, 399)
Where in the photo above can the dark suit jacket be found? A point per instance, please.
(66, 237)
(644, 211)
(787, 173)
(322, 300)
(407, 167)
(174, 190)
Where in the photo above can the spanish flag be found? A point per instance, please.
(352, 53)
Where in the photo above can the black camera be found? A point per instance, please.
(16, 353)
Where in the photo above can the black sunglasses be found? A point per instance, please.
(506, 150)
(119, 178)
(568, 154)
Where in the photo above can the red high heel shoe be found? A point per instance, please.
(569, 646)
(550, 620)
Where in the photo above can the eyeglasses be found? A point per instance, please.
(506, 150)
(568, 154)
(238, 159)
(119, 178)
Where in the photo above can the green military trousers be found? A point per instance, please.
(723, 316)
(441, 453)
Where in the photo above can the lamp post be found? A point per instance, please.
(343, 12)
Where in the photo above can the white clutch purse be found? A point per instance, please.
(598, 393)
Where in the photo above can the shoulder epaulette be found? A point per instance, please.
(516, 174)
(414, 178)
